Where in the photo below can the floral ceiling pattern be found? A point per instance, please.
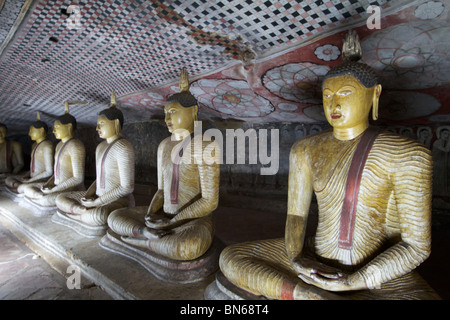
(249, 60)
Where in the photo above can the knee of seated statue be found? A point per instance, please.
(193, 239)
(33, 192)
(125, 221)
(12, 182)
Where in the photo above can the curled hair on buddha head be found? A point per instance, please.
(184, 97)
(351, 54)
(112, 113)
(67, 118)
(39, 124)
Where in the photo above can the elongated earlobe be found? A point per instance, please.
(71, 131)
(195, 114)
(375, 102)
(117, 126)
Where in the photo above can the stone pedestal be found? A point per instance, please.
(223, 289)
(80, 227)
(163, 268)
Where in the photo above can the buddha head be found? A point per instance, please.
(350, 90)
(65, 125)
(110, 121)
(38, 130)
(181, 109)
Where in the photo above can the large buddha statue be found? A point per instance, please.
(114, 183)
(41, 164)
(68, 172)
(11, 154)
(177, 226)
(373, 191)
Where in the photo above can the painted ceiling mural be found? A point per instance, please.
(250, 60)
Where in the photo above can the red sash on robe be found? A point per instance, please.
(176, 171)
(347, 223)
(102, 167)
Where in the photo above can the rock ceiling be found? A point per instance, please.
(250, 60)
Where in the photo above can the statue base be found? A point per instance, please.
(79, 227)
(163, 268)
(223, 289)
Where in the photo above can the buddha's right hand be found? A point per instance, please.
(307, 267)
(46, 189)
(150, 233)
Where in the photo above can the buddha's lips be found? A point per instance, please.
(336, 116)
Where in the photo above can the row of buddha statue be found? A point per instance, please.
(373, 190)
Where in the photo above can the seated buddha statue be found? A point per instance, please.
(114, 182)
(41, 163)
(373, 191)
(11, 154)
(69, 162)
(178, 223)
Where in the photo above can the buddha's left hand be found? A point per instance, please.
(159, 223)
(328, 278)
(90, 202)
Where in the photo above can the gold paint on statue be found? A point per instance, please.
(178, 223)
(69, 162)
(391, 230)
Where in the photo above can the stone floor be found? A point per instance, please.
(24, 275)
(29, 273)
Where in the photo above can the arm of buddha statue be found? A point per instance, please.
(90, 193)
(49, 184)
(125, 166)
(78, 154)
(209, 173)
(158, 198)
(299, 199)
(17, 157)
(412, 181)
(48, 161)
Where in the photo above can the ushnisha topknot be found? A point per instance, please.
(67, 118)
(351, 54)
(113, 113)
(184, 97)
(39, 123)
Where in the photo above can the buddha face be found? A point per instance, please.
(347, 102)
(36, 134)
(106, 128)
(62, 131)
(178, 117)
